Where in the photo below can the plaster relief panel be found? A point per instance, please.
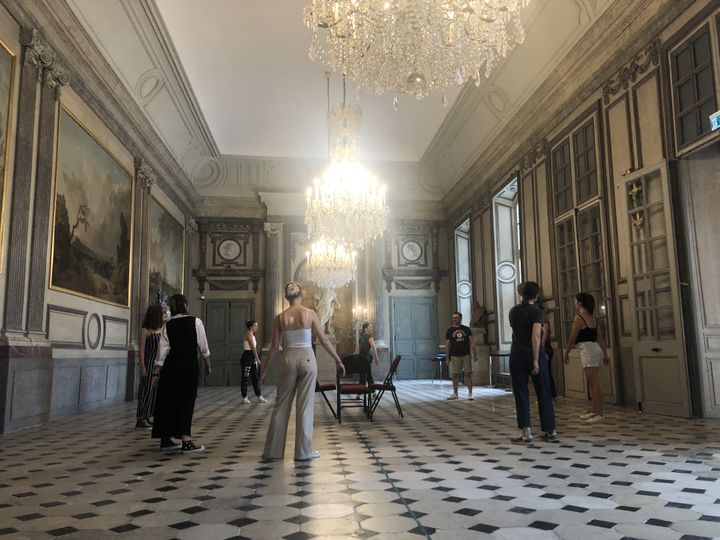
(66, 327)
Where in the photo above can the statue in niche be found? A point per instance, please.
(326, 302)
(477, 318)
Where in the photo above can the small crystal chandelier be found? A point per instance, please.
(330, 265)
(346, 204)
(413, 46)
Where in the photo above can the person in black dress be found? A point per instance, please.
(177, 378)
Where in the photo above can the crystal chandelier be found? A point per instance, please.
(413, 46)
(346, 204)
(330, 265)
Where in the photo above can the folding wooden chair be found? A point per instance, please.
(386, 385)
(326, 387)
(354, 365)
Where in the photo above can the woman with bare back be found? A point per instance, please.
(294, 326)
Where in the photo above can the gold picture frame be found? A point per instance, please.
(7, 87)
(90, 184)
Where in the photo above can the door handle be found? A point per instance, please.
(656, 349)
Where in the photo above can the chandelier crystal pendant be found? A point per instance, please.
(330, 265)
(413, 46)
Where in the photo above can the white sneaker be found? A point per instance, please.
(595, 419)
(587, 415)
(470, 396)
(246, 401)
(453, 396)
(261, 399)
(313, 455)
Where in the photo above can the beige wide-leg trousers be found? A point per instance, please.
(298, 374)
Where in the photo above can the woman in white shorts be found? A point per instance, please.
(587, 343)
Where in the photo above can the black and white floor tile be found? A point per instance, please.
(447, 471)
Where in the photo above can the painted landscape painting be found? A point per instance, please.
(93, 218)
(166, 252)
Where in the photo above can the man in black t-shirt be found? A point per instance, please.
(460, 350)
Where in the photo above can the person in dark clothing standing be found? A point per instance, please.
(366, 349)
(177, 378)
(460, 350)
(528, 358)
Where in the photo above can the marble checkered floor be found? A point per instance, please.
(445, 472)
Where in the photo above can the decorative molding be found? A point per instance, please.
(272, 228)
(109, 322)
(412, 279)
(144, 175)
(649, 56)
(94, 319)
(230, 285)
(535, 155)
(63, 341)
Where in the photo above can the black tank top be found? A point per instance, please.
(586, 334)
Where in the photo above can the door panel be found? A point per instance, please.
(415, 336)
(506, 268)
(225, 326)
(660, 367)
(216, 316)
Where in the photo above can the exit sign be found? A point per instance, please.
(715, 121)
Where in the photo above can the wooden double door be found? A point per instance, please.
(225, 325)
(415, 336)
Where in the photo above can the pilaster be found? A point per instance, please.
(35, 56)
(273, 283)
(54, 77)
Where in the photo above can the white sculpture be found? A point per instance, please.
(326, 302)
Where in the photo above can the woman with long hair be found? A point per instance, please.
(250, 363)
(294, 328)
(590, 347)
(148, 352)
(177, 379)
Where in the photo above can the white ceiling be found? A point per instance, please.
(229, 88)
(261, 95)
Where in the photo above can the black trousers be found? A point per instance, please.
(249, 370)
(521, 365)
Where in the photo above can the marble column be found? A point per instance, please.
(273, 277)
(54, 78)
(35, 55)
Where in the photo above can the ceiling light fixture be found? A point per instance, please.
(413, 46)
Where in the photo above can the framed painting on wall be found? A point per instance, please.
(7, 72)
(167, 252)
(93, 219)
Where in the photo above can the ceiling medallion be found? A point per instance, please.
(413, 46)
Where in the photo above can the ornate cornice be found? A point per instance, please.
(649, 56)
(534, 156)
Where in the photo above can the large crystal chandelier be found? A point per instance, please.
(346, 204)
(330, 265)
(413, 46)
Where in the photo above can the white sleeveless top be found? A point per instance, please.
(246, 345)
(297, 339)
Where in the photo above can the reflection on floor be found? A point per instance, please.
(446, 471)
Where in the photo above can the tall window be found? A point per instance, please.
(693, 87)
(463, 287)
(578, 223)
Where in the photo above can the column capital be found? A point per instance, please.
(144, 175)
(272, 228)
(191, 226)
(37, 52)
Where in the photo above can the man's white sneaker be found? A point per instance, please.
(470, 396)
(453, 396)
(261, 399)
(246, 401)
(587, 415)
(595, 419)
